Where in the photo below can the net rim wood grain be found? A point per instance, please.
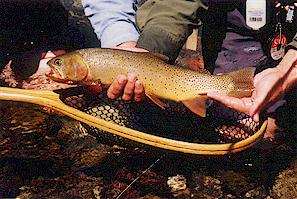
(52, 100)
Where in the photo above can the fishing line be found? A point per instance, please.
(142, 173)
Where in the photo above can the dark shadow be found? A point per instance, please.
(29, 28)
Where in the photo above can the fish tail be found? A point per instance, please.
(242, 82)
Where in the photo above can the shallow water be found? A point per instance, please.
(47, 155)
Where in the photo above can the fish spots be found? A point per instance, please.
(156, 75)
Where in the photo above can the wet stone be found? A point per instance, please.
(285, 185)
(256, 193)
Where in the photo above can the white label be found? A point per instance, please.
(256, 13)
(290, 15)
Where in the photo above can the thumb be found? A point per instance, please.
(256, 117)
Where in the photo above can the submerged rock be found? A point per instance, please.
(76, 185)
(285, 185)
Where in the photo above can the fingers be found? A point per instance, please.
(129, 88)
(138, 91)
(117, 87)
(242, 105)
(230, 102)
(255, 109)
(259, 103)
(259, 76)
(217, 97)
(130, 46)
(245, 105)
(256, 117)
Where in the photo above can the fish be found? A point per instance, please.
(160, 79)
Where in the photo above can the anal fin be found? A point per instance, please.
(157, 101)
(197, 105)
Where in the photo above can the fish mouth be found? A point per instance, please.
(55, 74)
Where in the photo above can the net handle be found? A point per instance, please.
(51, 99)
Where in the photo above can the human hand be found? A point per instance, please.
(240, 104)
(128, 85)
(272, 83)
(268, 88)
(130, 46)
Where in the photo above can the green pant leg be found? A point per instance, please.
(165, 24)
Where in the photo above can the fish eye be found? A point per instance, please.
(58, 62)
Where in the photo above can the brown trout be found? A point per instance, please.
(160, 79)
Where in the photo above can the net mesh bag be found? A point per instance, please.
(221, 125)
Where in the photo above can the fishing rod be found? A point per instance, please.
(141, 174)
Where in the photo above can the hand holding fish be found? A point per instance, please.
(269, 85)
(265, 82)
(239, 104)
(128, 85)
(130, 46)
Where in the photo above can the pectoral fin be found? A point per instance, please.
(157, 101)
(197, 105)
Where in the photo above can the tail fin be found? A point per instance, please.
(243, 82)
(242, 86)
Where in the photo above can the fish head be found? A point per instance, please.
(68, 68)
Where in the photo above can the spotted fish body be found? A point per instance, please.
(159, 79)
